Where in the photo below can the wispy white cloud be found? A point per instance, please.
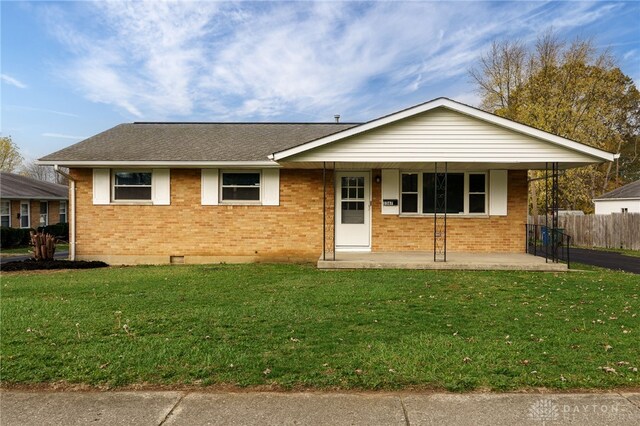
(630, 54)
(582, 13)
(12, 81)
(62, 136)
(48, 111)
(209, 60)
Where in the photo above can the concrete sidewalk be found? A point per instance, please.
(258, 408)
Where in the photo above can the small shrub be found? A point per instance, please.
(59, 230)
(14, 237)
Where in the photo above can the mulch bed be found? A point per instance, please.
(34, 265)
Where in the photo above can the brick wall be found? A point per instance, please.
(289, 232)
(34, 219)
(485, 234)
(150, 234)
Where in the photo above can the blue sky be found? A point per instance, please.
(73, 69)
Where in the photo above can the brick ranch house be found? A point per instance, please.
(241, 192)
(30, 203)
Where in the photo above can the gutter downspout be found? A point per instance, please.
(72, 208)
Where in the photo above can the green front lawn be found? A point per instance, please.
(290, 326)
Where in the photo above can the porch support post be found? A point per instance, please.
(545, 238)
(324, 211)
(440, 204)
(554, 211)
(334, 211)
(435, 211)
(446, 168)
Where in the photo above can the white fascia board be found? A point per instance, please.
(174, 164)
(595, 200)
(454, 106)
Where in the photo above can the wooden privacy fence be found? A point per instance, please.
(617, 230)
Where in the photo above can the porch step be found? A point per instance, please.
(455, 261)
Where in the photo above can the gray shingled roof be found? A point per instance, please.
(631, 190)
(194, 141)
(14, 186)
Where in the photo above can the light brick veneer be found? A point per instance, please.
(464, 234)
(291, 231)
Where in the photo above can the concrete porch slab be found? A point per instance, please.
(455, 261)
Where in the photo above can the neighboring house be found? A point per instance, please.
(29, 203)
(625, 199)
(228, 192)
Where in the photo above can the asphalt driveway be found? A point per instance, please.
(606, 259)
(7, 259)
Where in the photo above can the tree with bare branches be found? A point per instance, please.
(44, 173)
(571, 90)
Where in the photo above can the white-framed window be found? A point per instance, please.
(477, 192)
(5, 214)
(131, 185)
(63, 212)
(466, 193)
(44, 213)
(240, 186)
(410, 192)
(25, 211)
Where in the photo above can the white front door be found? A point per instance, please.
(353, 230)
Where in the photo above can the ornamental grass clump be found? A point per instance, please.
(44, 245)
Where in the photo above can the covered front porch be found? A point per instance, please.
(425, 260)
(438, 186)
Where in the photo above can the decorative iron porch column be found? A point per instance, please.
(324, 210)
(334, 210)
(550, 236)
(440, 204)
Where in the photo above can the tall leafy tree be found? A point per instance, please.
(571, 90)
(10, 158)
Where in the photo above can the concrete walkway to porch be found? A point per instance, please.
(424, 260)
